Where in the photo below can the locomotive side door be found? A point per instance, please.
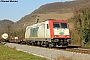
(47, 31)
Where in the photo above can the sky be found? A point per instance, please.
(14, 11)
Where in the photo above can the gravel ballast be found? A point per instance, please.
(50, 54)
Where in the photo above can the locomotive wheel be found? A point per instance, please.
(46, 44)
(39, 43)
(33, 43)
(51, 45)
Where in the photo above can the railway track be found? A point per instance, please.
(71, 52)
(69, 48)
(53, 53)
(75, 49)
(79, 50)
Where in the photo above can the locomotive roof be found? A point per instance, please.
(66, 21)
(53, 20)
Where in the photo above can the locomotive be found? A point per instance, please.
(50, 33)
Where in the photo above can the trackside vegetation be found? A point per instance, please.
(12, 54)
(81, 23)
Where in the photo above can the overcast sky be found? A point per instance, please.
(16, 10)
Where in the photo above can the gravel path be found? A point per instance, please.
(50, 54)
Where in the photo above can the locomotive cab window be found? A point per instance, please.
(63, 25)
(56, 25)
(60, 25)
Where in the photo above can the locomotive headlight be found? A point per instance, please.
(67, 36)
(55, 36)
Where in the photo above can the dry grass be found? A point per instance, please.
(64, 58)
(55, 16)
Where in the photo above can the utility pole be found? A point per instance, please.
(37, 19)
(8, 27)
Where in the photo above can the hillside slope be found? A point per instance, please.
(4, 25)
(57, 10)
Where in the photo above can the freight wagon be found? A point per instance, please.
(50, 33)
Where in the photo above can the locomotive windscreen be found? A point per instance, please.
(63, 25)
(59, 25)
